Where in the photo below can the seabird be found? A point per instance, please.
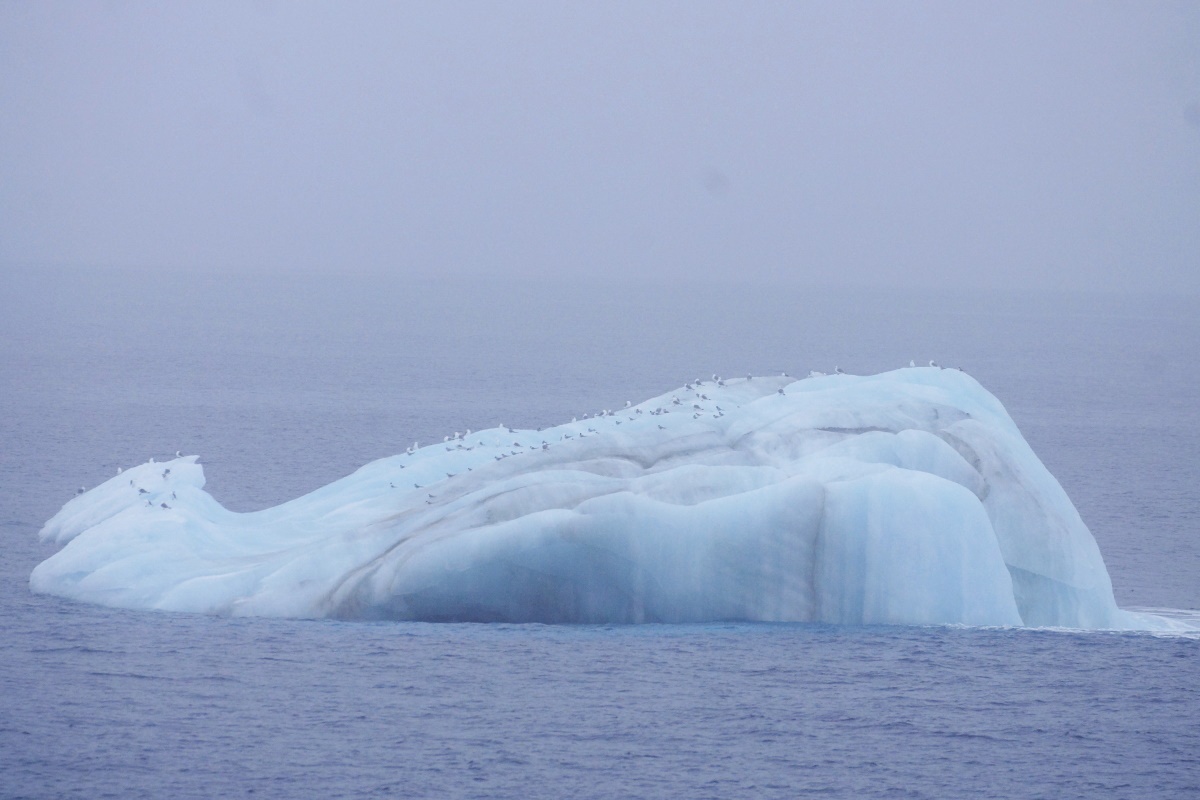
(80, 490)
(661, 428)
(173, 497)
(933, 363)
(912, 363)
(628, 404)
(839, 370)
(178, 454)
(142, 491)
(781, 390)
(119, 470)
(164, 505)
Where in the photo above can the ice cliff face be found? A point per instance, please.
(905, 497)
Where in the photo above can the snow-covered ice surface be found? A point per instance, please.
(906, 497)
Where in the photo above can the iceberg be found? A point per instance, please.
(907, 497)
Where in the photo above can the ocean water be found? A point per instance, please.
(282, 385)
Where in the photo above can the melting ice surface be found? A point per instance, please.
(906, 497)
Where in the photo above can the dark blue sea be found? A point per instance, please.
(283, 384)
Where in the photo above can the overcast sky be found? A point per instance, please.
(1042, 145)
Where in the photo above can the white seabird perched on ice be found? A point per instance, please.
(933, 363)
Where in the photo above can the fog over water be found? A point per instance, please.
(1047, 146)
(294, 237)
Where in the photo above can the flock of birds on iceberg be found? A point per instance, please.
(462, 441)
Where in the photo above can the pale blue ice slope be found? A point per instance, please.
(905, 497)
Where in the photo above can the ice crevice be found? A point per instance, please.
(907, 497)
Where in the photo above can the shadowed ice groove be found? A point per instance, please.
(908, 497)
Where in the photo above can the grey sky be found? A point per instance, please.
(995, 144)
